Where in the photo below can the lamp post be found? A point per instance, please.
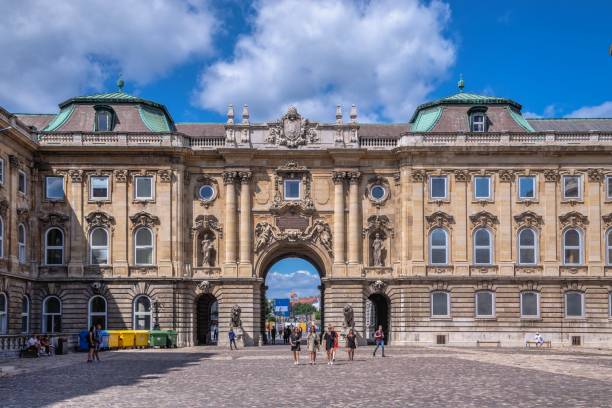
(157, 306)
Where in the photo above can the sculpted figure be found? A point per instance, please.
(236, 322)
(207, 251)
(349, 317)
(264, 233)
(377, 248)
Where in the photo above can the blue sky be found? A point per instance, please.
(294, 274)
(387, 56)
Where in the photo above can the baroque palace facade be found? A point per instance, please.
(469, 223)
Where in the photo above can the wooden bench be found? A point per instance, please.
(530, 343)
(495, 343)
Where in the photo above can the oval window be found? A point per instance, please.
(207, 192)
(378, 192)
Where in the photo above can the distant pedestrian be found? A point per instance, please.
(539, 340)
(97, 341)
(379, 338)
(351, 344)
(273, 334)
(330, 338)
(294, 342)
(90, 344)
(312, 342)
(232, 339)
(215, 334)
(336, 345)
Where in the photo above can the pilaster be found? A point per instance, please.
(417, 178)
(551, 234)
(229, 180)
(119, 253)
(77, 236)
(246, 246)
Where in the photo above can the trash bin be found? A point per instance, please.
(105, 337)
(141, 338)
(113, 338)
(171, 338)
(126, 338)
(62, 346)
(83, 343)
(158, 338)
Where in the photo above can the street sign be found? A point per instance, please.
(282, 307)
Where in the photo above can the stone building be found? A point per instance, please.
(467, 223)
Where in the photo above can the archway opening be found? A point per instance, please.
(292, 297)
(207, 316)
(377, 314)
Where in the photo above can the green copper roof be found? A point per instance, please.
(59, 119)
(426, 120)
(154, 119)
(520, 120)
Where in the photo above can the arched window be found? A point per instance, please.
(440, 304)
(54, 247)
(52, 315)
(572, 247)
(3, 313)
(97, 312)
(142, 313)
(485, 303)
(609, 247)
(104, 120)
(438, 247)
(483, 247)
(574, 304)
(98, 246)
(527, 243)
(1, 238)
(25, 314)
(530, 305)
(143, 246)
(21, 243)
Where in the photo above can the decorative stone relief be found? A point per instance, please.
(595, 175)
(207, 223)
(230, 177)
(349, 318)
(378, 182)
(528, 219)
(506, 175)
(204, 181)
(204, 286)
(291, 170)
(418, 176)
(573, 219)
(100, 219)
(321, 190)
(377, 231)
(23, 214)
(339, 176)
(121, 176)
(484, 219)
(262, 190)
(165, 176)
(378, 223)
(462, 175)
(551, 176)
(205, 232)
(76, 176)
(54, 219)
(144, 219)
(378, 286)
(4, 206)
(439, 219)
(607, 219)
(319, 231)
(292, 130)
(529, 286)
(235, 320)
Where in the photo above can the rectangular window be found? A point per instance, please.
(438, 187)
(98, 187)
(21, 182)
(1, 171)
(485, 304)
(530, 306)
(609, 187)
(54, 187)
(572, 187)
(482, 187)
(292, 189)
(478, 122)
(144, 188)
(574, 304)
(526, 186)
(439, 304)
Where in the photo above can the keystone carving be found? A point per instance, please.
(54, 219)
(378, 286)
(607, 219)
(484, 219)
(292, 130)
(573, 219)
(100, 219)
(439, 219)
(144, 219)
(528, 219)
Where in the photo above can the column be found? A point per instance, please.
(229, 179)
(354, 233)
(245, 216)
(338, 178)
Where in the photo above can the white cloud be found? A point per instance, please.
(603, 110)
(531, 115)
(304, 283)
(385, 56)
(549, 112)
(51, 50)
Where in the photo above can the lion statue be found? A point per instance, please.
(236, 322)
(349, 317)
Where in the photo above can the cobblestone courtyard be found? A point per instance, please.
(258, 377)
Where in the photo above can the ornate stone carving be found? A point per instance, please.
(339, 176)
(378, 230)
(595, 175)
(573, 219)
(506, 175)
(291, 170)
(528, 219)
(13, 160)
(207, 223)
(76, 176)
(292, 130)
(235, 320)
(462, 175)
(204, 286)
(165, 176)
(144, 219)
(418, 176)
(207, 247)
(378, 223)
(607, 219)
(121, 176)
(378, 181)
(23, 214)
(377, 250)
(319, 231)
(349, 318)
(378, 286)
(484, 219)
(353, 177)
(100, 219)
(206, 180)
(96, 287)
(551, 176)
(439, 219)
(245, 177)
(54, 219)
(229, 177)
(4, 206)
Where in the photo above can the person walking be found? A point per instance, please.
(90, 344)
(336, 338)
(379, 338)
(312, 342)
(232, 339)
(294, 342)
(330, 338)
(351, 344)
(97, 341)
(273, 334)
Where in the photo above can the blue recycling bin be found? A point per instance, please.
(105, 335)
(83, 344)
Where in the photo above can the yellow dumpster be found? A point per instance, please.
(113, 338)
(141, 338)
(126, 338)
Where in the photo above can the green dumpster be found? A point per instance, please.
(171, 338)
(158, 338)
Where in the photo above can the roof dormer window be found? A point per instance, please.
(478, 121)
(104, 119)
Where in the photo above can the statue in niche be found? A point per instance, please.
(208, 248)
(377, 250)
